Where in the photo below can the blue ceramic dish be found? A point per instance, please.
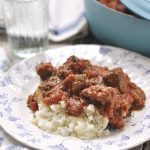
(115, 28)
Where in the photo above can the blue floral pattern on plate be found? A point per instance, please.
(15, 87)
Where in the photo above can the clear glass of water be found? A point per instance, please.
(26, 25)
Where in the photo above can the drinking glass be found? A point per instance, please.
(26, 25)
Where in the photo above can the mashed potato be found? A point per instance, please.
(54, 119)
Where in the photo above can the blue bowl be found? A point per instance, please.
(118, 29)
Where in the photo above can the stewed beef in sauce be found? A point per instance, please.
(79, 83)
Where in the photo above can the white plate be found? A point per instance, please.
(21, 80)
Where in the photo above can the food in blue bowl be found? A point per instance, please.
(114, 4)
(113, 27)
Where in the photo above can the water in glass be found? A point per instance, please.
(26, 25)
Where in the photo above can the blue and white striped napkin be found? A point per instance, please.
(66, 19)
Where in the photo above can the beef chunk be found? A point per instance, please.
(72, 59)
(91, 73)
(79, 66)
(117, 78)
(117, 110)
(68, 81)
(73, 65)
(111, 79)
(48, 84)
(32, 103)
(95, 71)
(95, 81)
(100, 94)
(117, 122)
(74, 106)
(45, 70)
(53, 97)
(63, 71)
(74, 83)
(123, 103)
(138, 96)
(139, 99)
(115, 119)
